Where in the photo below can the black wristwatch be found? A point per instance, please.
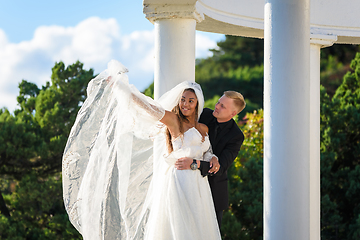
(194, 165)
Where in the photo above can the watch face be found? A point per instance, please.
(193, 166)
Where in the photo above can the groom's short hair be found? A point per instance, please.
(239, 101)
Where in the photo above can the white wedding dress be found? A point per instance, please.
(119, 182)
(184, 208)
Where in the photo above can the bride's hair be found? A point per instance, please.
(181, 119)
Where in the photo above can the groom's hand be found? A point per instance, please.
(214, 164)
(183, 163)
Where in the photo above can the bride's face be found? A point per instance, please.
(188, 103)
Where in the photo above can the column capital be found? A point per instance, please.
(155, 12)
(322, 40)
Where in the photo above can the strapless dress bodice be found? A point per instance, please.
(191, 144)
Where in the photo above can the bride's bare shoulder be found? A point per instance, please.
(203, 129)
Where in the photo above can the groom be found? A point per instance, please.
(226, 139)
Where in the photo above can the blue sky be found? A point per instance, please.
(36, 34)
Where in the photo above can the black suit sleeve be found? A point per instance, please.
(205, 118)
(226, 158)
(204, 168)
(229, 153)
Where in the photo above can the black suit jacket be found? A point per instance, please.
(225, 146)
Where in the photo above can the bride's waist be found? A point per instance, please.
(172, 158)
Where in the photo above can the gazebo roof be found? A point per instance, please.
(334, 18)
(246, 18)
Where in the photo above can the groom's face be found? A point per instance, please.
(224, 109)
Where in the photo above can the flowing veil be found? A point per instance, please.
(110, 176)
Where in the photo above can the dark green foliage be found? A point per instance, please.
(340, 158)
(334, 63)
(34, 138)
(237, 65)
(37, 211)
(342, 52)
(243, 220)
(239, 51)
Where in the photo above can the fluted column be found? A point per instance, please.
(175, 27)
(316, 43)
(286, 120)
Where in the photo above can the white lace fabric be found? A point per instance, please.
(110, 177)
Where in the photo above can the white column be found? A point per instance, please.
(316, 43)
(286, 120)
(174, 53)
(175, 28)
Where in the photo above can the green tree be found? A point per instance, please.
(32, 141)
(236, 51)
(34, 137)
(340, 158)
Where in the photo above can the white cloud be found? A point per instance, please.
(93, 42)
(138, 49)
(203, 44)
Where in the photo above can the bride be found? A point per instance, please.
(119, 178)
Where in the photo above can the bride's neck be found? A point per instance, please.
(191, 120)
